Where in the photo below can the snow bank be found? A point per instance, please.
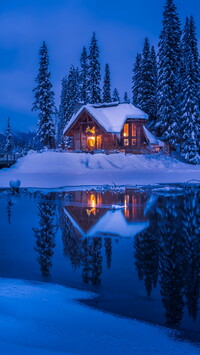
(38, 318)
(53, 169)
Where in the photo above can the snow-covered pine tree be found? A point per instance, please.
(9, 140)
(190, 79)
(148, 81)
(44, 101)
(168, 75)
(136, 80)
(107, 85)
(94, 75)
(69, 98)
(154, 80)
(115, 96)
(84, 76)
(126, 98)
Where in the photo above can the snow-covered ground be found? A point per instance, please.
(53, 169)
(37, 318)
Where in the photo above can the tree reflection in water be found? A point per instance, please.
(170, 250)
(45, 236)
(166, 251)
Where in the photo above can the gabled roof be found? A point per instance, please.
(110, 116)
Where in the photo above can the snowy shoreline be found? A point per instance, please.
(57, 170)
(40, 318)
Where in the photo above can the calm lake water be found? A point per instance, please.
(139, 250)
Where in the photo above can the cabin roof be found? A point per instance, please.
(110, 116)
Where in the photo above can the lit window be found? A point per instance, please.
(126, 133)
(133, 130)
(134, 141)
(126, 142)
(90, 130)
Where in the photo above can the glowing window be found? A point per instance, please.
(134, 141)
(126, 133)
(126, 142)
(133, 130)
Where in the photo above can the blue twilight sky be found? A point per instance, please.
(67, 25)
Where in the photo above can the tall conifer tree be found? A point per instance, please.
(94, 76)
(136, 81)
(69, 97)
(190, 80)
(148, 81)
(44, 101)
(106, 85)
(84, 76)
(168, 74)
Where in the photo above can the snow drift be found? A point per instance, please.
(54, 169)
(37, 318)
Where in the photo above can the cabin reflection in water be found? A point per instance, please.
(94, 213)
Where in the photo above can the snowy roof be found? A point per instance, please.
(110, 116)
(151, 138)
(112, 223)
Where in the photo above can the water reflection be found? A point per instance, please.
(169, 250)
(163, 229)
(45, 235)
(107, 213)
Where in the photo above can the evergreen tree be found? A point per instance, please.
(94, 76)
(84, 77)
(148, 81)
(126, 98)
(136, 81)
(44, 101)
(69, 98)
(168, 74)
(115, 96)
(106, 85)
(154, 82)
(190, 80)
(9, 140)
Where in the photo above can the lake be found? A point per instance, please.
(137, 249)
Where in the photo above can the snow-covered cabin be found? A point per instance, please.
(112, 126)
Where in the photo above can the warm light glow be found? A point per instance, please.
(92, 200)
(126, 133)
(126, 209)
(92, 203)
(91, 211)
(91, 130)
(126, 142)
(91, 142)
(133, 130)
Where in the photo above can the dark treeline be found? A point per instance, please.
(167, 86)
